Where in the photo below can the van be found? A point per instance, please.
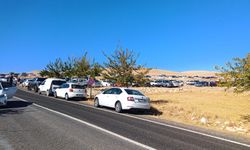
(49, 85)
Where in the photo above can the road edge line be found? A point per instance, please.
(163, 124)
(93, 126)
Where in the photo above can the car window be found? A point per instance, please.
(40, 79)
(43, 83)
(64, 85)
(133, 92)
(109, 91)
(6, 84)
(61, 86)
(58, 82)
(117, 91)
(76, 86)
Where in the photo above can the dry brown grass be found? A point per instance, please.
(222, 110)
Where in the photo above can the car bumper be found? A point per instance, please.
(77, 95)
(3, 100)
(137, 106)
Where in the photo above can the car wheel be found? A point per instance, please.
(118, 107)
(47, 93)
(55, 94)
(66, 96)
(36, 89)
(96, 102)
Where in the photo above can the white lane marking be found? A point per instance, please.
(163, 124)
(93, 126)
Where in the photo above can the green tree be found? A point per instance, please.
(72, 67)
(236, 74)
(121, 67)
(82, 66)
(54, 69)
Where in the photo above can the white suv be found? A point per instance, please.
(122, 99)
(50, 85)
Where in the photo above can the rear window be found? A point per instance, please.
(58, 82)
(76, 86)
(133, 92)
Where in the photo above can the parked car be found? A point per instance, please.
(161, 83)
(26, 82)
(181, 83)
(122, 99)
(201, 84)
(97, 83)
(79, 80)
(7, 91)
(212, 83)
(71, 90)
(34, 84)
(49, 85)
(105, 83)
(192, 82)
(174, 83)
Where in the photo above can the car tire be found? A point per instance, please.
(47, 93)
(66, 97)
(96, 102)
(118, 107)
(55, 94)
(39, 92)
(36, 89)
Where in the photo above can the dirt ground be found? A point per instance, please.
(209, 107)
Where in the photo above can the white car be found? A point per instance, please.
(26, 82)
(7, 91)
(71, 90)
(49, 85)
(122, 99)
(105, 83)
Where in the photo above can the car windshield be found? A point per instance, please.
(133, 92)
(76, 86)
(6, 84)
(40, 79)
(58, 82)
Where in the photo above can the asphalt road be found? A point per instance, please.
(150, 134)
(24, 126)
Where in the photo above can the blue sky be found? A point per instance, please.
(176, 35)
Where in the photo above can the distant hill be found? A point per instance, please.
(154, 72)
(187, 73)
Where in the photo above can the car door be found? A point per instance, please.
(42, 86)
(2, 94)
(61, 90)
(105, 97)
(113, 97)
(8, 89)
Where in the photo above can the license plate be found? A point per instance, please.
(79, 94)
(141, 100)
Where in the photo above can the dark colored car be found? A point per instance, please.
(201, 84)
(34, 84)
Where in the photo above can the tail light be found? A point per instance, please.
(71, 90)
(130, 99)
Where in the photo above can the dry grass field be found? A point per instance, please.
(209, 107)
